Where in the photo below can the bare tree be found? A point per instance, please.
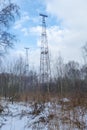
(84, 52)
(72, 75)
(59, 66)
(8, 13)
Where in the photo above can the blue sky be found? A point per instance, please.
(66, 28)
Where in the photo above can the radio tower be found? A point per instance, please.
(27, 62)
(44, 56)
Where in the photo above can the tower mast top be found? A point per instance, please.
(43, 15)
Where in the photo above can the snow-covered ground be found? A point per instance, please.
(47, 116)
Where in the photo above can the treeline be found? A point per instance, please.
(14, 80)
(67, 78)
(70, 78)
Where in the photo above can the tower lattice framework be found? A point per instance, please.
(44, 54)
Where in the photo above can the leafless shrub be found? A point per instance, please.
(1, 108)
(37, 108)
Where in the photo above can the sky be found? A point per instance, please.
(66, 29)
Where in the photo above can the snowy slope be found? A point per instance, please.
(31, 116)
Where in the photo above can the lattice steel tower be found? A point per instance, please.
(27, 61)
(44, 54)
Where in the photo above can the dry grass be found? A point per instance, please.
(61, 113)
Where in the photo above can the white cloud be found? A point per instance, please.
(73, 36)
(24, 18)
(25, 31)
(72, 12)
(35, 30)
(34, 58)
(68, 42)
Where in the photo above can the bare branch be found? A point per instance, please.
(8, 13)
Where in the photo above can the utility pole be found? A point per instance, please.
(44, 56)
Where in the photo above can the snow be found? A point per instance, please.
(21, 116)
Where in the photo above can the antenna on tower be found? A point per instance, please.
(44, 56)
